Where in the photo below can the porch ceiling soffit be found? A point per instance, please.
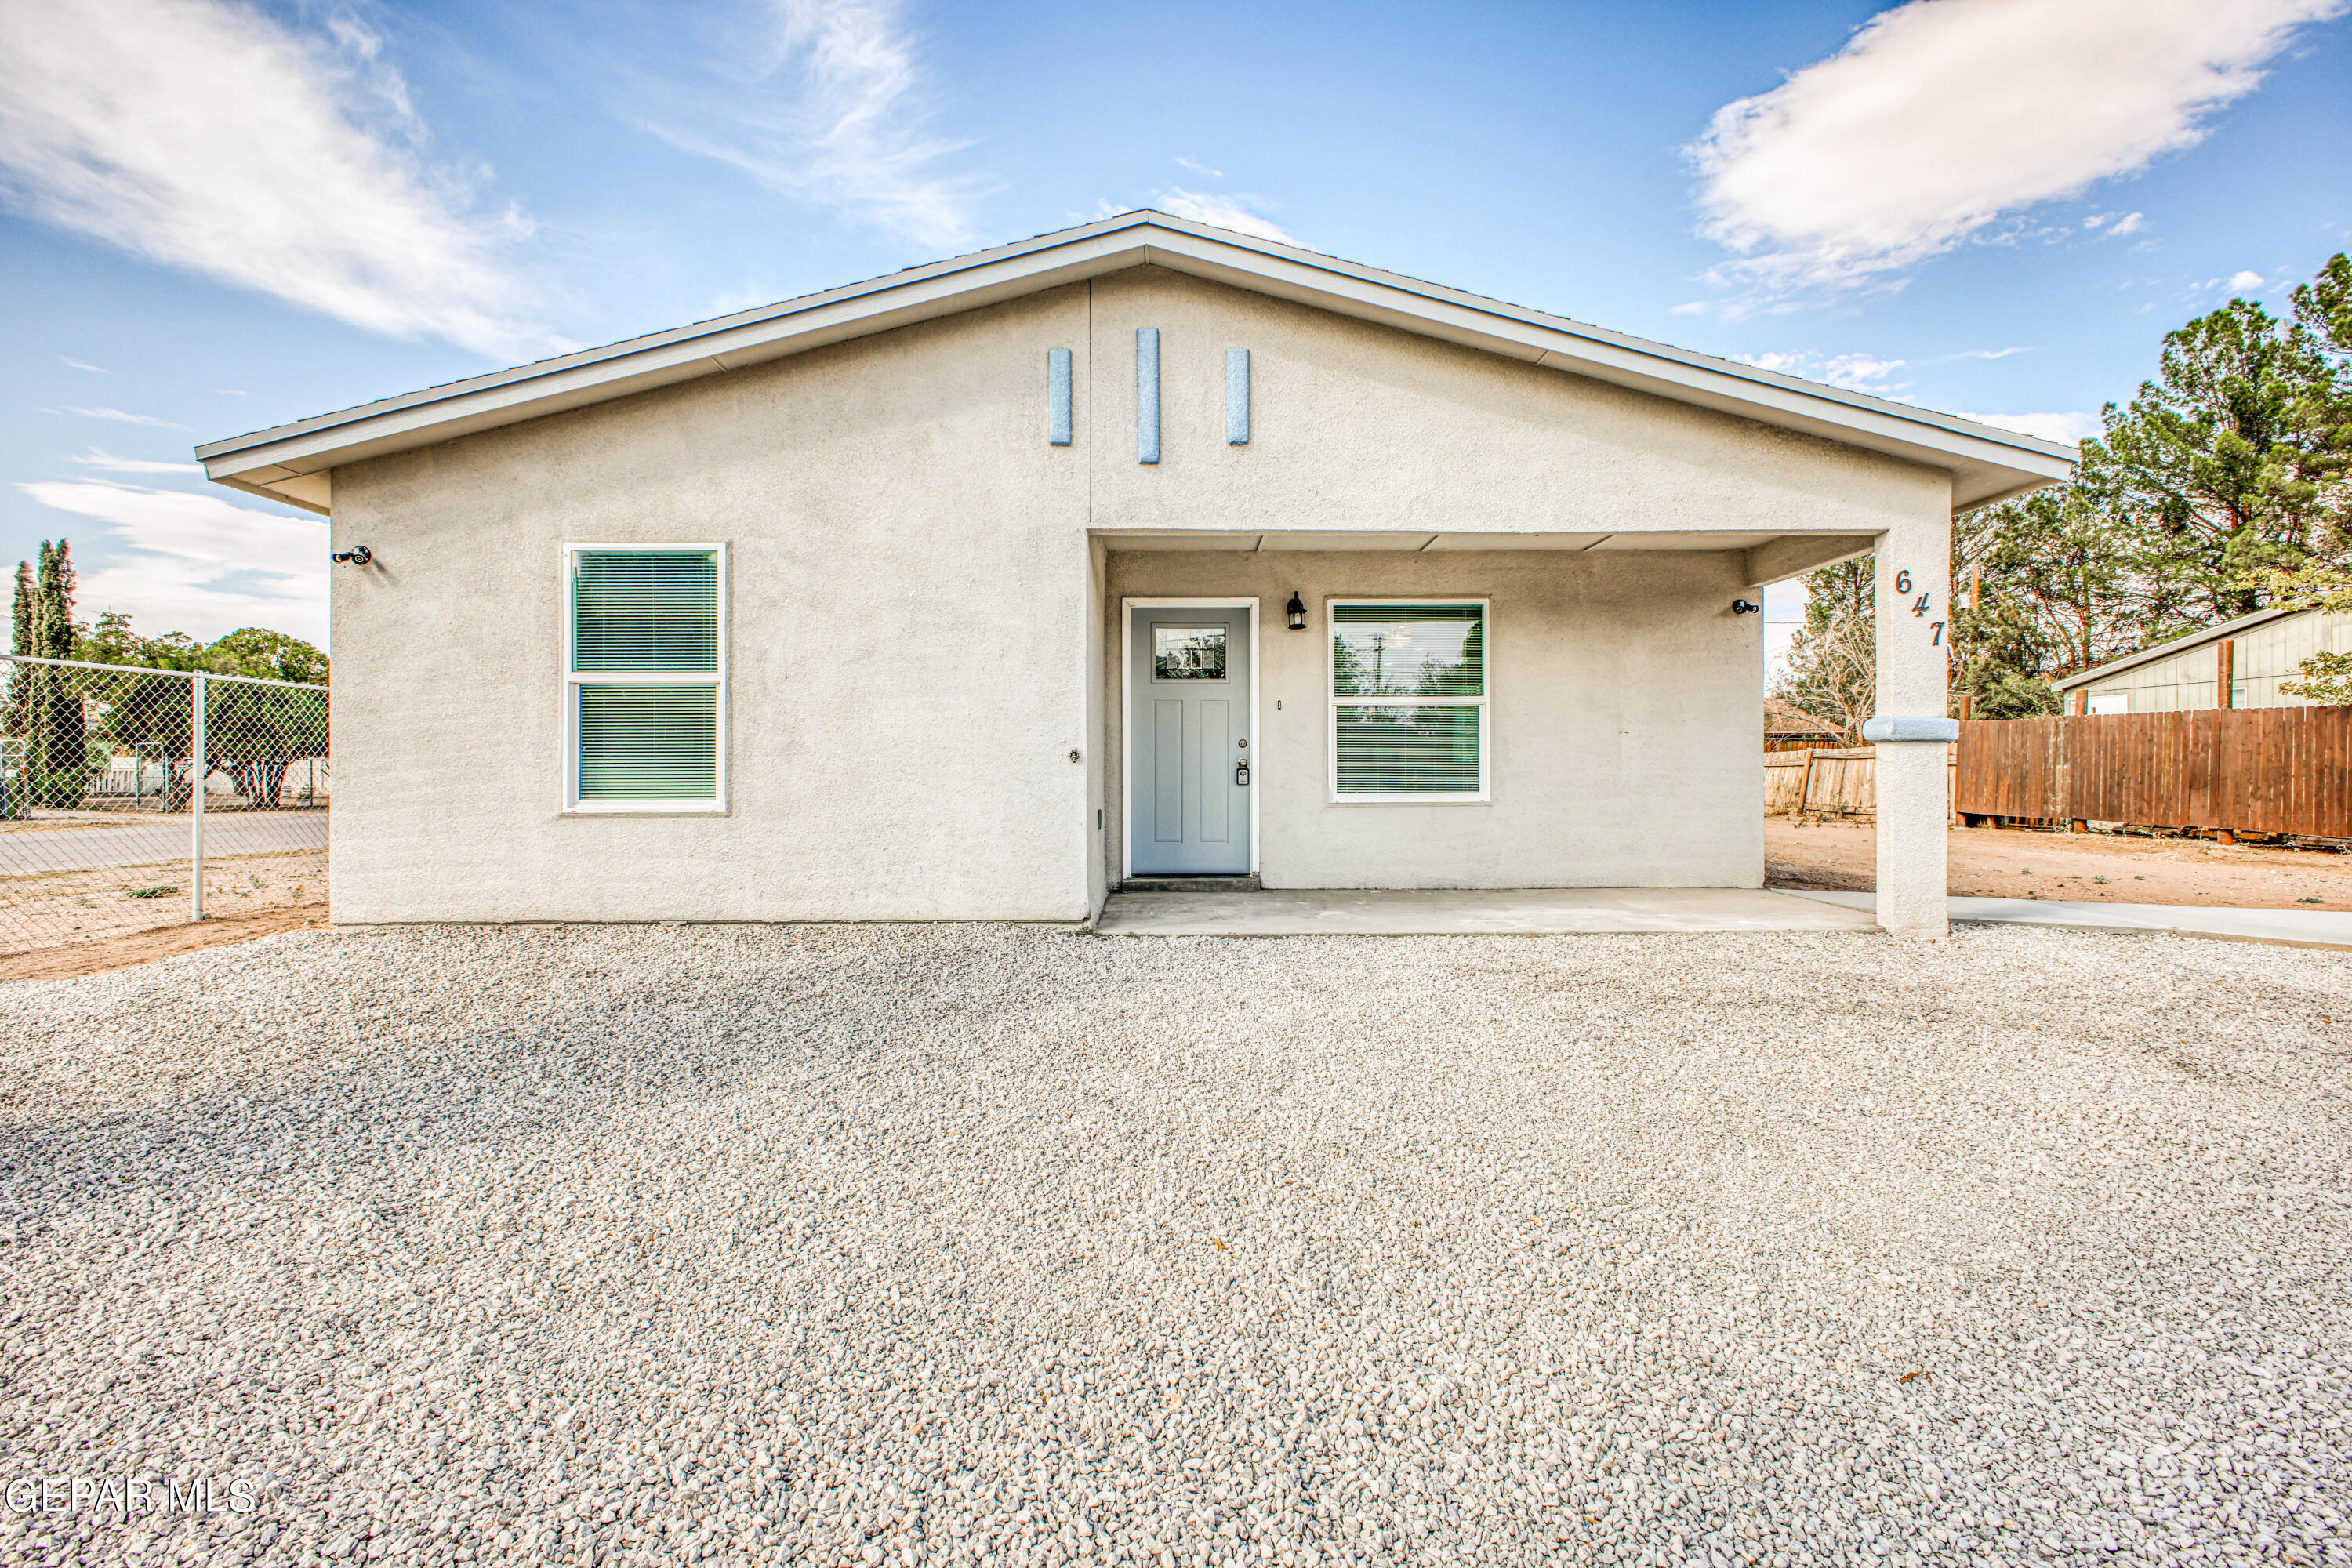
(1776, 555)
(1985, 464)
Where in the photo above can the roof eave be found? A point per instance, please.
(1988, 465)
(2184, 642)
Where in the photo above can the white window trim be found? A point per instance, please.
(1335, 702)
(1258, 747)
(571, 804)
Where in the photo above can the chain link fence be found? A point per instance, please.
(132, 799)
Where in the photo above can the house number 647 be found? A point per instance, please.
(1919, 608)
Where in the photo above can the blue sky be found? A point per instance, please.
(221, 217)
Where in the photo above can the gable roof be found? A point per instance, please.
(2184, 643)
(289, 462)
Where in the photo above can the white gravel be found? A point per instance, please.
(909, 1245)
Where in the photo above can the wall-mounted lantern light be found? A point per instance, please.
(1296, 610)
(357, 555)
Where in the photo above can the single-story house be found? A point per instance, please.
(1142, 549)
(2240, 663)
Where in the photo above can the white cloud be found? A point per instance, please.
(99, 458)
(835, 112)
(1236, 213)
(1201, 169)
(209, 136)
(2130, 223)
(118, 415)
(93, 369)
(2240, 281)
(2049, 426)
(1940, 116)
(197, 563)
(1856, 373)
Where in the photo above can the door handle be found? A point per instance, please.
(1240, 773)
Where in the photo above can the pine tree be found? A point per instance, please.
(2217, 468)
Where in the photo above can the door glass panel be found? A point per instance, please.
(1188, 653)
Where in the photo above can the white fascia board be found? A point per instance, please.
(531, 391)
(1985, 464)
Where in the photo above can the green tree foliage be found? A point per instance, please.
(2040, 587)
(55, 765)
(2325, 678)
(2213, 493)
(2230, 464)
(2323, 308)
(252, 733)
(17, 707)
(273, 656)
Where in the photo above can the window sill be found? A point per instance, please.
(644, 808)
(1408, 800)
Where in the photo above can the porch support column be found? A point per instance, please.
(1912, 574)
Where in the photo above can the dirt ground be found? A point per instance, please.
(97, 956)
(119, 915)
(2091, 868)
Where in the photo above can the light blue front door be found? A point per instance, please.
(1188, 792)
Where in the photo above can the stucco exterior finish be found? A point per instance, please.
(923, 614)
(908, 646)
(1354, 425)
(1624, 737)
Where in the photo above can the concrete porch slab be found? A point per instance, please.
(1528, 912)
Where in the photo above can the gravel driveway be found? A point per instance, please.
(936, 1244)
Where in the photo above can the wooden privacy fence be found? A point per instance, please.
(2253, 769)
(1836, 782)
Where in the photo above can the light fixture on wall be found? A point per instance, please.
(357, 555)
(1742, 608)
(1297, 611)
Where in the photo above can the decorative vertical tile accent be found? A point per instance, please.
(1058, 396)
(1147, 394)
(1237, 397)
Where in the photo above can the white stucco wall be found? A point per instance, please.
(1911, 578)
(923, 614)
(909, 646)
(1625, 734)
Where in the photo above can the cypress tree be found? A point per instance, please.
(15, 715)
(58, 752)
(20, 612)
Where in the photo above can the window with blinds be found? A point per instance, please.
(647, 677)
(1409, 700)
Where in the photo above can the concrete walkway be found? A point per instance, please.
(1450, 912)
(150, 843)
(2297, 928)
